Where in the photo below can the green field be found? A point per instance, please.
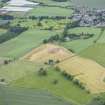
(19, 96)
(24, 43)
(50, 11)
(64, 88)
(17, 70)
(95, 52)
(24, 74)
(102, 38)
(79, 45)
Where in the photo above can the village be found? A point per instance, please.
(89, 17)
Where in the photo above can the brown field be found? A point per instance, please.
(48, 51)
(88, 72)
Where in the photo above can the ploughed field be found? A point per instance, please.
(87, 71)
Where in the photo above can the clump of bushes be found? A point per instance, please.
(57, 69)
(2, 80)
(75, 81)
(67, 76)
(78, 83)
(55, 82)
(52, 62)
(7, 61)
(42, 72)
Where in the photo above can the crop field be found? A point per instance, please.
(24, 43)
(50, 11)
(91, 74)
(47, 52)
(19, 96)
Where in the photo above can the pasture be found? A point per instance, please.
(49, 11)
(25, 74)
(95, 52)
(102, 38)
(17, 70)
(64, 88)
(79, 45)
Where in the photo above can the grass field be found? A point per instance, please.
(95, 52)
(50, 11)
(20, 96)
(79, 45)
(102, 38)
(24, 74)
(17, 70)
(64, 88)
(25, 42)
